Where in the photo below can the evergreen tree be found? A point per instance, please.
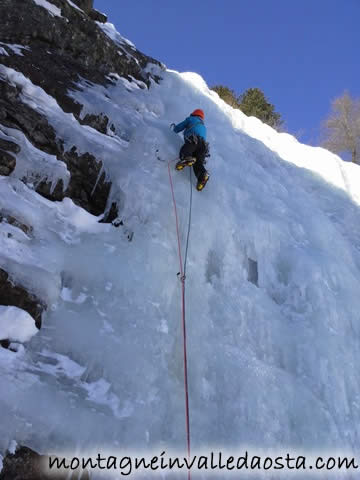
(226, 94)
(254, 103)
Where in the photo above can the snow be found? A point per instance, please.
(81, 220)
(270, 366)
(61, 365)
(16, 324)
(17, 49)
(110, 30)
(12, 447)
(50, 7)
(36, 261)
(66, 295)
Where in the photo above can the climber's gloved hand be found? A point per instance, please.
(172, 126)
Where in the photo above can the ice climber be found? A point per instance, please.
(195, 149)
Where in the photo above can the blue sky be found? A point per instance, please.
(302, 54)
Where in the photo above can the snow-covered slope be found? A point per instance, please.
(272, 365)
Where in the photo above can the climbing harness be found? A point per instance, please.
(182, 275)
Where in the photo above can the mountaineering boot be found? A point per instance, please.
(185, 162)
(201, 183)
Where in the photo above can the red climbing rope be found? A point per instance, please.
(187, 415)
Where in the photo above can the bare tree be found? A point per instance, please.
(342, 127)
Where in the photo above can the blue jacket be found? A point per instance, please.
(193, 126)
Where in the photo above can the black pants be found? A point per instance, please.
(195, 148)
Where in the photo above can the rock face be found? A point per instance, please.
(65, 50)
(17, 296)
(97, 16)
(7, 161)
(86, 188)
(86, 5)
(58, 51)
(99, 122)
(84, 170)
(16, 114)
(25, 464)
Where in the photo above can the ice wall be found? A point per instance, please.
(270, 365)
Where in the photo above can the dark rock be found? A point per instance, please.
(112, 215)
(86, 5)
(88, 187)
(4, 344)
(97, 16)
(99, 122)
(26, 464)
(17, 296)
(18, 115)
(55, 195)
(7, 163)
(16, 223)
(4, 171)
(9, 146)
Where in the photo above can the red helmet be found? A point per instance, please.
(198, 113)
